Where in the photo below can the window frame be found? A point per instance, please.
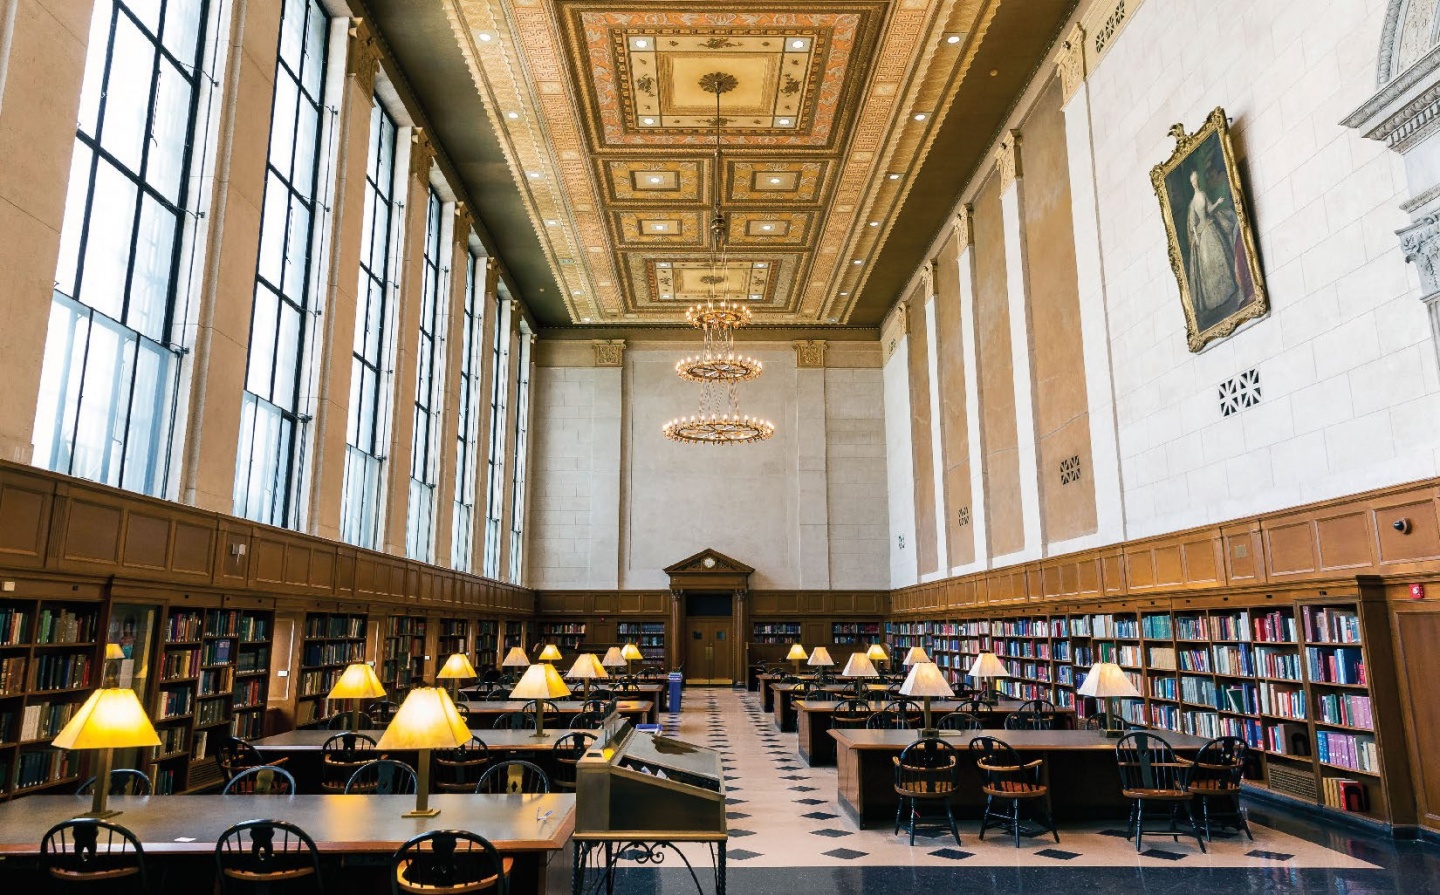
(495, 459)
(468, 416)
(428, 409)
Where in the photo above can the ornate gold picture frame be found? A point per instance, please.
(1207, 228)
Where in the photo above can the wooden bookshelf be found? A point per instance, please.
(331, 641)
(649, 637)
(860, 634)
(49, 661)
(452, 636)
(486, 648)
(1294, 680)
(515, 635)
(567, 636)
(403, 650)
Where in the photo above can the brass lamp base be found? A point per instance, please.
(101, 815)
(1114, 734)
(929, 733)
(421, 812)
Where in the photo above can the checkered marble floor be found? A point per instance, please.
(783, 813)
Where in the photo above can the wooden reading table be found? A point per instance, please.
(178, 833)
(1079, 767)
(813, 722)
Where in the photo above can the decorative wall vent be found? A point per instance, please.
(1239, 393)
(962, 517)
(1070, 470)
(902, 541)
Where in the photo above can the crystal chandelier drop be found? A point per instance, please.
(718, 368)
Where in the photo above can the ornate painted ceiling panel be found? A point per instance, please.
(609, 132)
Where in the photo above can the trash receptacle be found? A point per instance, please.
(677, 683)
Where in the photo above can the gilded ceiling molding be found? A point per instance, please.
(362, 56)
(1071, 63)
(964, 220)
(810, 353)
(609, 352)
(1007, 159)
(422, 154)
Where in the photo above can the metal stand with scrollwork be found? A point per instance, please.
(596, 859)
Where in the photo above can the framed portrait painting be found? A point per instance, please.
(1207, 226)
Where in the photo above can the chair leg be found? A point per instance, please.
(1194, 829)
(950, 816)
(1049, 817)
(985, 817)
(899, 808)
(1139, 824)
(1244, 818)
(1205, 815)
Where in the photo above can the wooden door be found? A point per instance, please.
(709, 659)
(1418, 665)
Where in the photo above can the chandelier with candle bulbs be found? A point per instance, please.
(718, 368)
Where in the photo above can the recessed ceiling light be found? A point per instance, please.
(584, 319)
(649, 120)
(920, 116)
(774, 180)
(767, 227)
(642, 43)
(663, 264)
(656, 179)
(486, 36)
(551, 222)
(893, 177)
(755, 297)
(858, 261)
(834, 319)
(784, 121)
(665, 295)
(994, 72)
(574, 291)
(844, 293)
(874, 223)
(533, 175)
(797, 44)
(661, 226)
(953, 39)
(760, 266)
(512, 115)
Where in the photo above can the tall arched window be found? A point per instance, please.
(467, 430)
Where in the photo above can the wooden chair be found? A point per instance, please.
(1035, 714)
(1150, 773)
(340, 756)
(568, 751)
(1215, 781)
(925, 775)
(973, 706)
(86, 852)
(850, 714)
(909, 710)
(123, 782)
(261, 780)
(235, 755)
(1005, 778)
(383, 776)
(449, 862)
(342, 721)
(380, 713)
(959, 721)
(1102, 721)
(456, 770)
(599, 701)
(463, 710)
(883, 720)
(514, 721)
(513, 776)
(587, 721)
(548, 709)
(261, 855)
(821, 694)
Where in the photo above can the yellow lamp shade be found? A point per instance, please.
(541, 681)
(457, 666)
(551, 653)
(797, 653)
(114, 651)
(1106, 680)
(925, 680)
(859, 665)
(916, 654)
(587, 667)
(358, 682)
(877, 653)
(111, 718)
(631, 651)
(987, 665)
(515, 658)
(613, 658)
(427, 719)
(820, 656)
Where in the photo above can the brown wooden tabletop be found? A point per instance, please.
(565, 706)
(313, 740)
(355, 824)
(1020, 740)
(938, 707)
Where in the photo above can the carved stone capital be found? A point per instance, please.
(1007, 159)
(1071, 63)
(810, 353)
(362, 56)
(927, 280)
(964, 221)
(609, 352)
(422, 154)
(893, 329)
(1421, 244)
(464, 221)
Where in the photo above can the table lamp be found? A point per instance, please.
(112, 718)
(358, 682)
(916, 654)
(1108, 681)
(551, 653)
(820, 660)
(797, 655)
(926, 681)
(877, 653)
(859, 666)
(613, 658)
(455, 668)
(427, 720)
(541, 682)
(587, 668)
(988, 665)
(630, 652)
(515, 658)
(114, 655)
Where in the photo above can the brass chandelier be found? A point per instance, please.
(718, 368)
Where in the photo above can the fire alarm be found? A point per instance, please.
(1417, 591)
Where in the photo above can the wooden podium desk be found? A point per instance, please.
(782, 705)
(359, 833)
(813, 720)
(1079, 767)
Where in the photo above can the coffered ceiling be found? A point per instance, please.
(838, 109)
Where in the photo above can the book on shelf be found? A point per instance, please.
(1345, 794)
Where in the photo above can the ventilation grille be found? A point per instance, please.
(1239, 393)
(1287, 781)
